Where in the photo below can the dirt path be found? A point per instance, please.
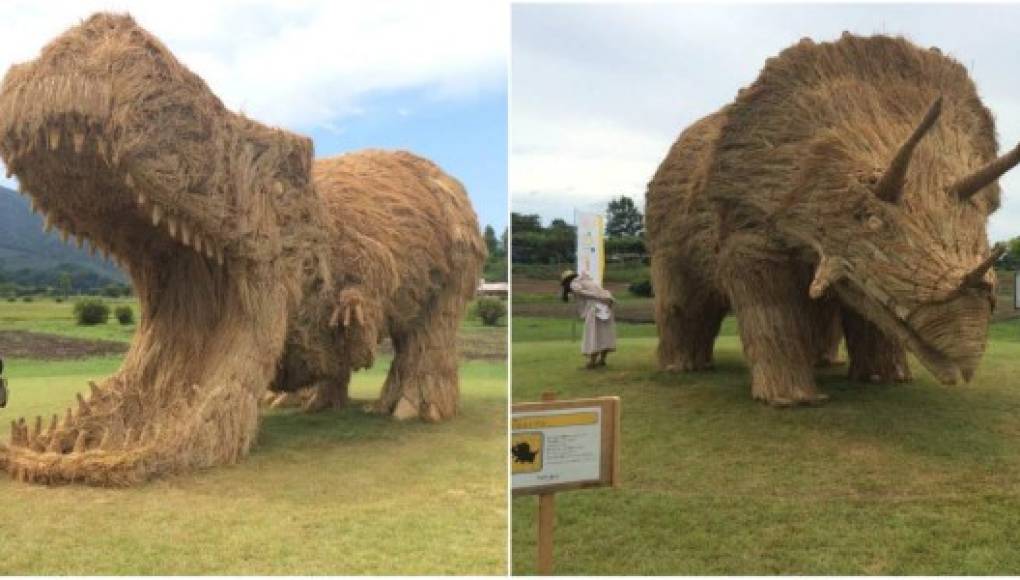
(640, 311)
(24, 344)
(484, 344)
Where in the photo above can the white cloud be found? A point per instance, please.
(300, 64)
(600, 92)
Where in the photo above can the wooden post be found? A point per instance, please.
(546, 520)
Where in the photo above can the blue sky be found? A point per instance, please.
(468, 139)
(424, 76)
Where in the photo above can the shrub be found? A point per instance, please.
(641, 288)
(58, 299)
(490, 310)
(11, 299)
(124, 314)
(91, 311)
(27, 299)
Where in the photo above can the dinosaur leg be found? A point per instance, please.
(687, 316)
(687, 336)
(423, 381)
(874, 356)
(771, 303)
(825, 323)
(329, 394)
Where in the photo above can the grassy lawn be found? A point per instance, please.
(906, 479)
(333, 493)
(48, 316)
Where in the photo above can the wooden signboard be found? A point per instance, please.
(563, 445)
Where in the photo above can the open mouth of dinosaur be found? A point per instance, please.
(949, 368)
(79, 191)
(189, 382)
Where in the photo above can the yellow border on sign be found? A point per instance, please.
(550, 421)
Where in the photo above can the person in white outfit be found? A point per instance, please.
(595, 307)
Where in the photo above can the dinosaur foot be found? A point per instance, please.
(406, 410)
(806, 401)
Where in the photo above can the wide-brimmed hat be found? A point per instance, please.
(566, 274)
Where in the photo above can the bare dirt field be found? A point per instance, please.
(639, 310)
(25, 344)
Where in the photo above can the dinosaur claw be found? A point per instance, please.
(83, 407)
(79, 442)
(54, 445)
(104, 441)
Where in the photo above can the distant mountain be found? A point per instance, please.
(29, 256)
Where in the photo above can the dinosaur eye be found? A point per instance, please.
(873, 223)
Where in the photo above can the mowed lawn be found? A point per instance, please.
(885, 479)
(332, 493)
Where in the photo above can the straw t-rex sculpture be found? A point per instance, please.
(253, 265)
(844, 193)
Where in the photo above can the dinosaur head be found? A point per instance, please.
(106, 128)
(905, 244)
(119, 145)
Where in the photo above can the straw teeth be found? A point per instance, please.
(177, 228)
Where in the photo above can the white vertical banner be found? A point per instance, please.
(1016, 291)
(591, 254)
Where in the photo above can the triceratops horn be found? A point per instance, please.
(890, 186)
(968, 186)
(975, 276)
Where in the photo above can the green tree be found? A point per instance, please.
(491, 241)
(522, 223)
(623, 218)
(64, 284)
(1013, 248)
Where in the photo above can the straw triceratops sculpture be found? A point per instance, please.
(253, 265)
(843, 194)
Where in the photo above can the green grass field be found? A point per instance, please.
(333, 493)
(885, 479)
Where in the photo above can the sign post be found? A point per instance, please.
(1016, 290)
(562, 446)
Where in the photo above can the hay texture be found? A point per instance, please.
(844, 194)
(253, 265)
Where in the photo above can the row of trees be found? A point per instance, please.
(65, 278)
(556, 243)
